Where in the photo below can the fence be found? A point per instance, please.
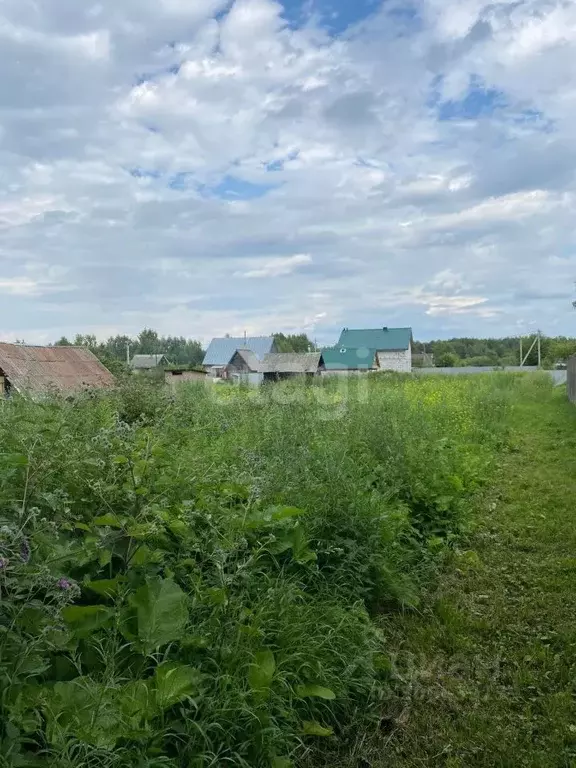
(470, 370)
(571, 380)
(558, 377)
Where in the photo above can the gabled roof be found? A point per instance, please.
(221, 350)
(148, 361)
(291, 362)
(381, 339)
(349, 359)
(249, 358)
(38, 370)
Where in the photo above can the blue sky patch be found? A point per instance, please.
(182, 181)
(145, 77)
(535, 119)
(335, 15)
(229, 188)
(278, 165)
(148, 77)
(232, 188)
(144, 173)
(478, 102)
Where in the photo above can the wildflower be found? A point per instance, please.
(3, 563)
(25, 551)
(64, 584)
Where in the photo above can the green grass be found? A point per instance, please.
(485, 673)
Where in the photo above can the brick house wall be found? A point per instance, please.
(399, 361)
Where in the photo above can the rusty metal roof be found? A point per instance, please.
(42, 369)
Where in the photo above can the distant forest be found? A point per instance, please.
(496, 352)
(453, 352)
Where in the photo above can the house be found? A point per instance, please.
(221, 351)
(243, 367)
(284, 365)
(176, 376)
(38, 371)
(393, 346)
(144, 363)
(347, 360)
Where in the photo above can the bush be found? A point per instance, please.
(188, 580)
(447, 360)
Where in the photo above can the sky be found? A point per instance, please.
(205, 167)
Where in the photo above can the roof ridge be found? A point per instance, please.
(269, 336)
(382, 328)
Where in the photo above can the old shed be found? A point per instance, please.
(176, 376)
(244, 367)
(41, 370)
(145, 363)
(284, 365)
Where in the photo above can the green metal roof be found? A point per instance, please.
(381, 339)
(348, 359)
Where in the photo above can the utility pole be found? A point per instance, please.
(128, 353)
(527, 355)
(539, 350)
(521, 354)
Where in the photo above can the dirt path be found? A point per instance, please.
(491, 663)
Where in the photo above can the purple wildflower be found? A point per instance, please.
(25, 551)
(64, 584)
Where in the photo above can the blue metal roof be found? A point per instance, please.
(221, 351)
(381, 339)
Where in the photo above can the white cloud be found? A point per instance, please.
(40, 280)
(278, 267)
(455, 305)
(18, 211)
(19, 286)
(153, 149)
(507, 208)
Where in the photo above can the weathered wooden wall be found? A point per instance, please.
(571, 380)
(173, 380)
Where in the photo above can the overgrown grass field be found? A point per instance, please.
(199, 580)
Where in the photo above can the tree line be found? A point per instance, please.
(496, 352)
(117, 350)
